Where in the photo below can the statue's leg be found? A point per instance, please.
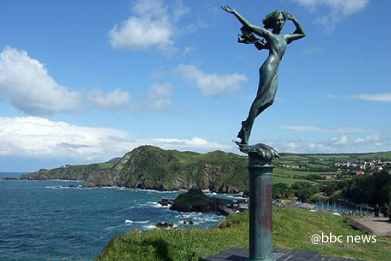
(257, 107)
(265, 97)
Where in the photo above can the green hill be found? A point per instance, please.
(292, 229)
(149, 167)
(71, 172)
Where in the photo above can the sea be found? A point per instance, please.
(57, 220)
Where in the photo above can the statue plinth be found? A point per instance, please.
(260, 170)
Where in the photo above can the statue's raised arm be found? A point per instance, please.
(253, 28)
(298, 33)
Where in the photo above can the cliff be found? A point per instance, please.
(76, 172)
(149, 167)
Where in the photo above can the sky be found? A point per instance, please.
(86, 81)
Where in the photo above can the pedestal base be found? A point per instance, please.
(241, 254)
(261, 150)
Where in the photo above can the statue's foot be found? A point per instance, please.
(243, 134)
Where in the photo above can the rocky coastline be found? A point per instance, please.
(152, 168)
(9, 179)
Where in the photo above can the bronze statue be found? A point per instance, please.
(276, 44)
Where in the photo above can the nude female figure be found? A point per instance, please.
(276, 44)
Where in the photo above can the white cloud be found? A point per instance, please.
(158, 97)
(339, 140)
(27, 84)
(303, 128)
(211, 84)
(336, 10)
(193, 144)
(317, 147)
(349, 143)
(180, 10)
(377, 97)
(344, 7)
(139, 33)
(331, 145)
(39, 137)
(111, 100)
(334, 96)
(306, 128)
(370, 139)
(292, 147)
(35, 136)
(153, 24)
(382, 97)
(188, 50)
(311, 50)
(150, 8)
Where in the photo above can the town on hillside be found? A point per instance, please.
(360, 166)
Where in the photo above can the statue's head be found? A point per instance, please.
(274, 20)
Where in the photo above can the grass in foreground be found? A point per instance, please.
(292, 229)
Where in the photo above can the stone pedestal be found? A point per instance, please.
(260, 209)
(260, 171)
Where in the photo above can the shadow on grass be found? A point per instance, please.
(161, 248)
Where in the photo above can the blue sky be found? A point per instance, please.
(85, 81)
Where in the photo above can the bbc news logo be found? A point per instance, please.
(331, 239)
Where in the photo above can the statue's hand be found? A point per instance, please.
(289, 16)
(228, 9)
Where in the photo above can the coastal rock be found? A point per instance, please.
(164, 225)
(9, 179)
(196, 201)
(39, 175)
(165, 202)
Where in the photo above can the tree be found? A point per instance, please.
(282, 190)
(368, 189)
(304, 190)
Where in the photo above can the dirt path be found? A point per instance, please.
(374, 226)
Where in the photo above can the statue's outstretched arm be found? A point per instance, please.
(256, 29)
(298, 33)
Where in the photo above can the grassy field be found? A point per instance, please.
(288, 181)
(106, 165)
(281, 175)
(292, 229)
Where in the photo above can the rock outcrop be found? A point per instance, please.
(196, 201)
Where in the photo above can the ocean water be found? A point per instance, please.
(343, 209)
(46, 220)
